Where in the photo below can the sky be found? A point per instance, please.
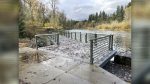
(81, 9)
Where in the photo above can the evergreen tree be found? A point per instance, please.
(122, 13)
(104, 16)
(96, 17)
(113, 16)
(100, 17)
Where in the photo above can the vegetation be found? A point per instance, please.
(36, 16)
(119, 20)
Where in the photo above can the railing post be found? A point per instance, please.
(52, 37)
(110, 42)
(91, 52)
(57, 39)
(65, 34)
(36, 42)
(55, 36)
(68, 34)
(71, 35)
(37, 56)
(95, 35)
(86, 38)
(75, 36)
(80, 37)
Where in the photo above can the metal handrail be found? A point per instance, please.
(101, 37)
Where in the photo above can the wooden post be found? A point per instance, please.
(91, 52)
(75, 36)
(86, 38)
(80, 37)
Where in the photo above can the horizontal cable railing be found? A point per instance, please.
(100, 47)
(100, 44)
(82, 37)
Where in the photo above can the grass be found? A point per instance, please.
(118, 26)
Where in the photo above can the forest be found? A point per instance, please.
(36, 16)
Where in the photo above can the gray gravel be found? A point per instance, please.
(121, 71)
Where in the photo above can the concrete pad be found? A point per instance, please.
(62, 63)
(39, 73)
(95, 75)
(69, 79)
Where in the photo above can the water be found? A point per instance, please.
(122, 39)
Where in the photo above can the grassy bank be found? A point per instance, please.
(125, 25)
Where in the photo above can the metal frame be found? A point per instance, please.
(93, 44)
(55, 37)
(97, 44)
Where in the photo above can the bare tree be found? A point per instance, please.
(42, 10)
(31, 5)
(53, 4)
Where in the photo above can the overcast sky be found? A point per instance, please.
(81, 9)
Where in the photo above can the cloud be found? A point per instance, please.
(83, 7)
(80, 9)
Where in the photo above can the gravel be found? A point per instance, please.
(121, 71)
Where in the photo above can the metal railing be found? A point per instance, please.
(100, 47)
(46, 39)
(82, 37)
